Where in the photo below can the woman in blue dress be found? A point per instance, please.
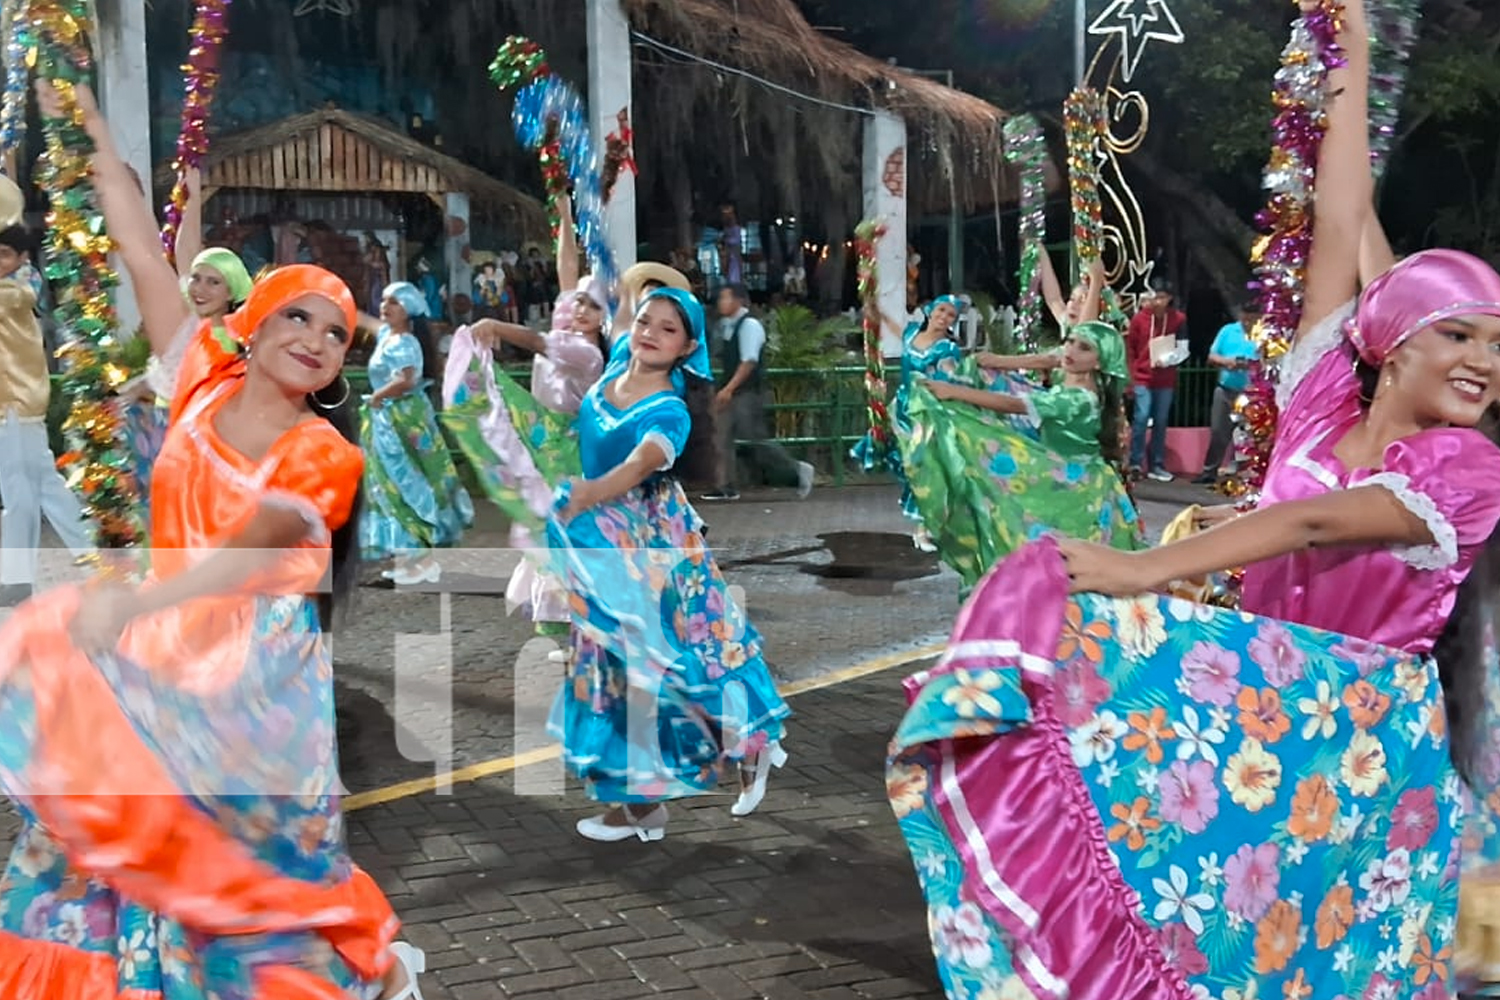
(668, 686)
(416, 502)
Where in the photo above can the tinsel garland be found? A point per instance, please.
(1083, 126)
(78, 267)
(14, 27)
(867, 237)
(550, 118)
(200, 80)
(1393, 31)
(1279, 257)
(1026, 148)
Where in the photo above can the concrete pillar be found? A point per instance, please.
(455, 242)
(885, 199)
(609, 94)
(125, 99)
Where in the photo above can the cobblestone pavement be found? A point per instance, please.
(829, 581)
(813, 896)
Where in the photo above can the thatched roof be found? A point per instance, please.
(771, 37)
(330, 150)
(954, 130)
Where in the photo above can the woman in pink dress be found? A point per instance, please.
(1119, 796)
(525, 442)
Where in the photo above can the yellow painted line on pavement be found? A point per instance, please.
(541, 755)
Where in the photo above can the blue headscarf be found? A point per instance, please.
(409, 296)
(696, 363)
(957, 303)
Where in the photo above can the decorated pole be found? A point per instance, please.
(549, 117)
(14, 27)
(1026, 148)
(1083, 124)
(867, 237)
(78, 267)
(1280, 255)
(200, 80)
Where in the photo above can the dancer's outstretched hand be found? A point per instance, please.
(582, 494)
(101, 618)
(1100, 569)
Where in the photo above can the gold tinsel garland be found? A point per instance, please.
(96, 461)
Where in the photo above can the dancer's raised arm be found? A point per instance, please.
(129, 221)
(190, 230)
(489, 332)
(1345, 183)
(567, 245)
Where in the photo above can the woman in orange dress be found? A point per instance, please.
(171, 745)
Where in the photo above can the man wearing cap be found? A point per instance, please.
(740, 406)
(1153, 343)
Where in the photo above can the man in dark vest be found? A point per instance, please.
(740, 405)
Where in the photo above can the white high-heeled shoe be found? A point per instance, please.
(413, 962)
(749, 800)
(409, 576)
(649, 828)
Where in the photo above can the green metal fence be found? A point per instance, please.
(819, 414)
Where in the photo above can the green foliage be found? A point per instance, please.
(135, 353)
(796, 338)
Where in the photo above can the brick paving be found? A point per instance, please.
(813, 896)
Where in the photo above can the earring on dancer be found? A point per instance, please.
(329, 407)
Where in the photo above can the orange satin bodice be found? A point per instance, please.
(203, 492)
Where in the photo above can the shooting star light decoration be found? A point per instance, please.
(1137, 22)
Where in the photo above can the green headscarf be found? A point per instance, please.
(230, 268)
(1108, 342)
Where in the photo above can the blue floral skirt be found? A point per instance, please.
(669, 683)
(255, 763)
(413, 497)
(1149, 799)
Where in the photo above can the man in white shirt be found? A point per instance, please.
(740, 405)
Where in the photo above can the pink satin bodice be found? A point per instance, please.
(1448, 477)
(564, 372)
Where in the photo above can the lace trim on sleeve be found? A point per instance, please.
(1309, 350)
(1443, 552)
(665, 444)
(161, 372)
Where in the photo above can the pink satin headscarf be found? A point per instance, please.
(1421, 290)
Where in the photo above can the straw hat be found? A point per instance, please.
(636, 277)
(12, 203)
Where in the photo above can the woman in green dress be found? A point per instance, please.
(992, 470)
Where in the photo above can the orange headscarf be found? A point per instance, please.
(210, 358)
(284, 285)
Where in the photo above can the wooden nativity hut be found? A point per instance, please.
(356, 196)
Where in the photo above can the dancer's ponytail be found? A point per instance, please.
(344, 557)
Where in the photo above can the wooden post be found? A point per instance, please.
(455, 243)
(610, 64)
(125, 99)
(885, 199)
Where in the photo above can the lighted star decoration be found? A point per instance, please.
(1137, 284)
(340, 8)
(1137, 22)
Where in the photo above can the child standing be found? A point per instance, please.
(30, 485)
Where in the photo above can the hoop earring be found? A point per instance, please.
(329, 407)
